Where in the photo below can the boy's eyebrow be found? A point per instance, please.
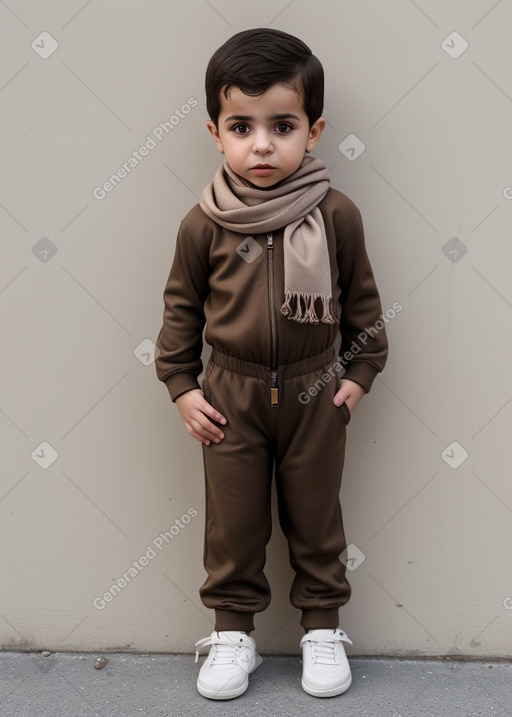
(248, 118)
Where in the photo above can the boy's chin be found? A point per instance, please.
(263, 188)
(270, 186)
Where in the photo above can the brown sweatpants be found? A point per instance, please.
(304, 439)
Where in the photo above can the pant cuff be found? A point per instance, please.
(234, 620)
(320, 619)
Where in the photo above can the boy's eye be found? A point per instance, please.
(241, 128)
(283, 127)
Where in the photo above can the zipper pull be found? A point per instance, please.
(270, 241)
(274, 390)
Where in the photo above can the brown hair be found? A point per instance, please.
(254, 60)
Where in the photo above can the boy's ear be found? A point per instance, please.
(215, 134)
(315, 131)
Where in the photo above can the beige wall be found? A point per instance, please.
(81, 281)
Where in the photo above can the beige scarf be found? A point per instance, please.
(240, 207)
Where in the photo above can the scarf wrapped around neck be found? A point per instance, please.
(292, 204)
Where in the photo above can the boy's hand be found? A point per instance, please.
(196, 412)
(350, 392)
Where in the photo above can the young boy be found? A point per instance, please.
(273, 261)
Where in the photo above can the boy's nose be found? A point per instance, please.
(262, 144)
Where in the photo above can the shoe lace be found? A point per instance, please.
(324, 650)
(224, 651)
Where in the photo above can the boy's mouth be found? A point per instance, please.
(262, 170)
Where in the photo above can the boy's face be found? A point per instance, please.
(264, 138)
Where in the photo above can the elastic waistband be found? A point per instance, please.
(290, 370)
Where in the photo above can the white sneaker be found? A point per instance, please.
(225, 672)
(325, 668)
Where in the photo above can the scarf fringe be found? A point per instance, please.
(305, 308)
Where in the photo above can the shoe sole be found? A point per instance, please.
(332, 692)
(218, 695)
(228, 694)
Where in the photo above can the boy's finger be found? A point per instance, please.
(340, 397)
(201, 436)
(207, 429)
(213, 413)
(196, 435)
(205, 441)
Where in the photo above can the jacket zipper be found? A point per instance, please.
(274, 388)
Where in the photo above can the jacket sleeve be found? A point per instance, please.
(180, 341)
(364, 345)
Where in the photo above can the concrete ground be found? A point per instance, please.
(159, 685)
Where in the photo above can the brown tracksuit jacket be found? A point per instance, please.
(236, 284)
